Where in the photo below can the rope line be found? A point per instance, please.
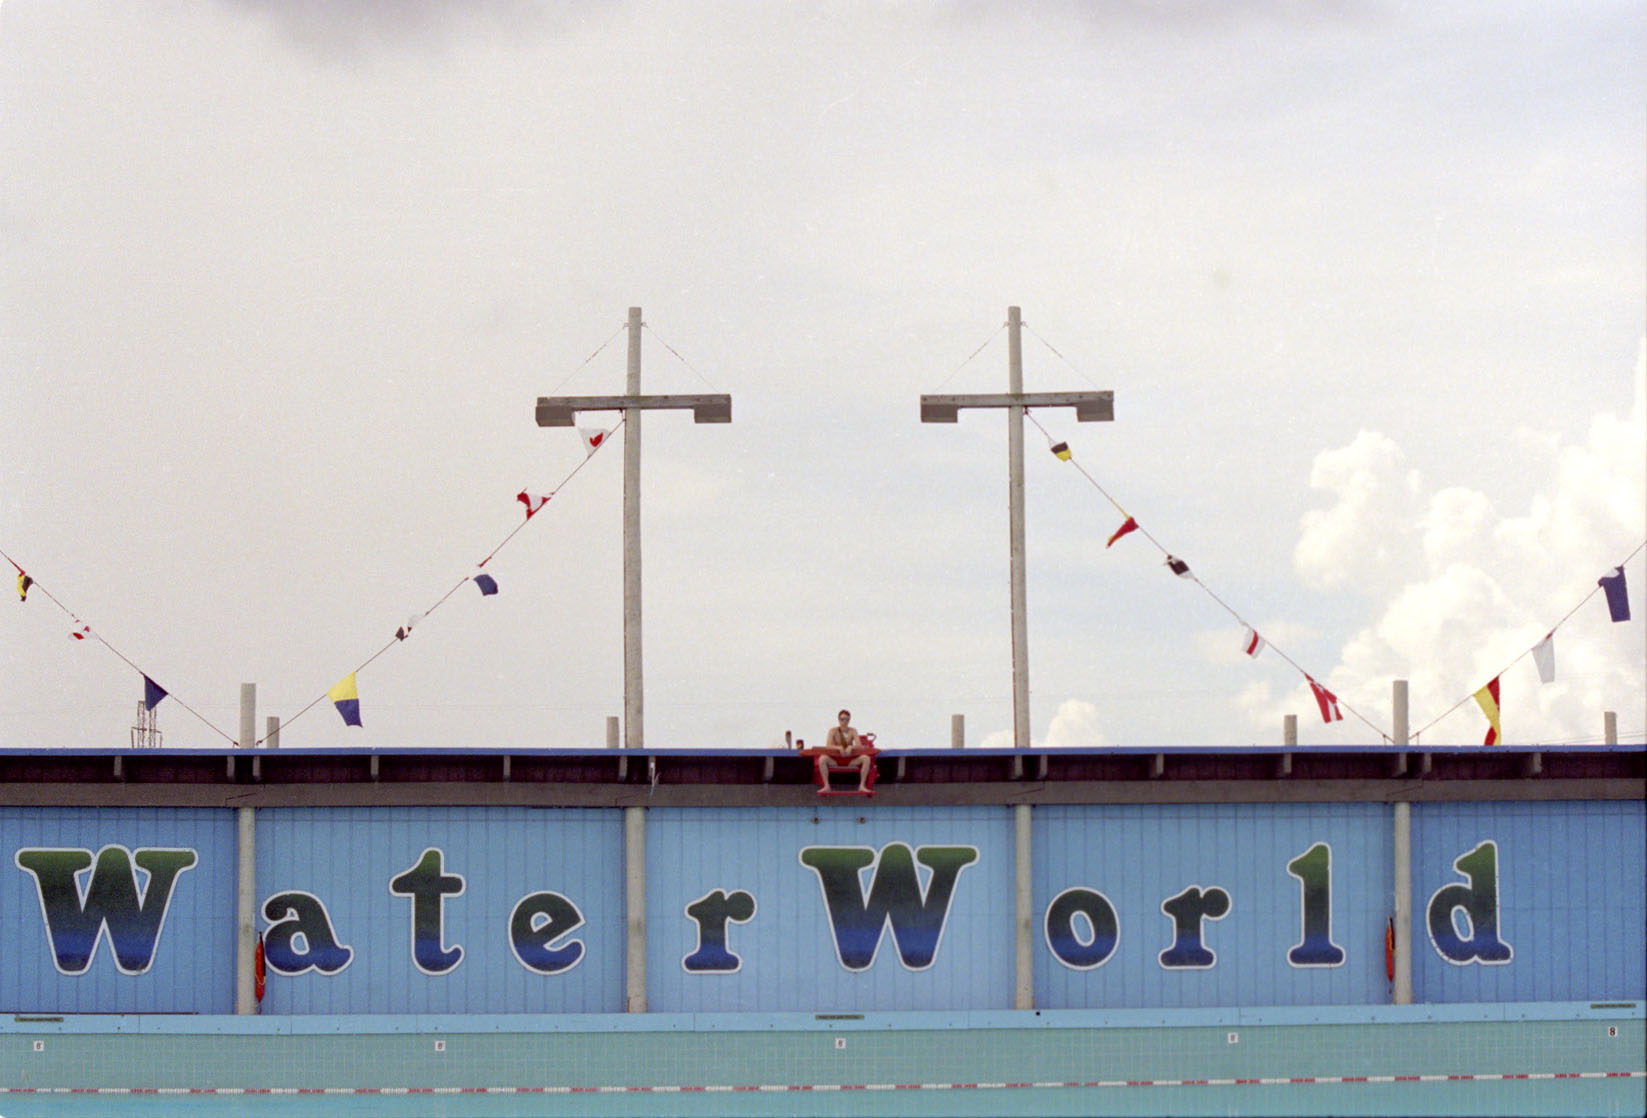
(87, 630)
(598, 350)
(1195, 578)
(956, 371)
(459, 584)
(1529, 650)
(648, 326)
(1072, 366)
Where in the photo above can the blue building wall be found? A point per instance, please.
(192, 969)
(1139, 856)
(837, 908)
(786, 952)
(1570, 886)
(348, 857)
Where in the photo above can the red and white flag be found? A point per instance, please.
(532, 501)
(1252, 644)
(1327, 701)
(592, 438)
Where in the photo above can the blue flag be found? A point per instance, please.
(152, 693)
(1618, 600)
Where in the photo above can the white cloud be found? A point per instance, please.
(1075, 725)
(1458, 591)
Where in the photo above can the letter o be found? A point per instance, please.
(1068, 947)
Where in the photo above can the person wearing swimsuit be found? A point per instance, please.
(842, 747)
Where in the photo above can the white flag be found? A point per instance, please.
(1544, 657)
(592, 438)
(1252, 644)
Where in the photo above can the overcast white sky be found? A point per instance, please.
(281, 283)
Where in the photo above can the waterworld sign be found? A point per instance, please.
(85, 896)
(511, 910)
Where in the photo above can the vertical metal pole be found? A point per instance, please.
(634, 906)
(1609, 723)
(245, 952)
(957, 731)
(271, 732)
(1402, 992)
(248, 715)
(1015, 511)
(1023, 996)
(1402, 987)
(1289, 729)
(634, 732)
(612, 735)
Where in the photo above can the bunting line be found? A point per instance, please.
(81, 631)
(402, 633)
(1529, 650)
(1180, 568)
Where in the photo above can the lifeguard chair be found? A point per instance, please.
(826, 785)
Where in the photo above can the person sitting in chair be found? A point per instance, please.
(843, 748)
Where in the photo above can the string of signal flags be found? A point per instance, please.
(345, 696)
(1332, 708)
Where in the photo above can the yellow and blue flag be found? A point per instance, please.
(347, 699)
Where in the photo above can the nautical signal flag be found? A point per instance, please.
(406, 630)
(23, 584)
(1252, 644)
(1327, 701)
(1176, 565)
(152, 693)
(1618, 598)
(1544, 657)
(532, 501)
(488, 585)
(347, 699)
(1488, 698)
(592, 438)
(1131, 525)
(1062, 451)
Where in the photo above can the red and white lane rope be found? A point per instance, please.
(770, 1088)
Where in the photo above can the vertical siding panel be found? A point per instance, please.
(1571, 904)
(192, 967)
(789, 960)
(347, 857)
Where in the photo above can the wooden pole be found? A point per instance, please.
(634, 729)
(1015, 515)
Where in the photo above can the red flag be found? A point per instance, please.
(1130, 526)
(532, 501)
(1327, 701)
(1254, 643)
(1389, 949)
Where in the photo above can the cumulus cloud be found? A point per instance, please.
(1459, 590)
(1074, 725)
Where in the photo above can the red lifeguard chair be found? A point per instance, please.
(826, 787)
